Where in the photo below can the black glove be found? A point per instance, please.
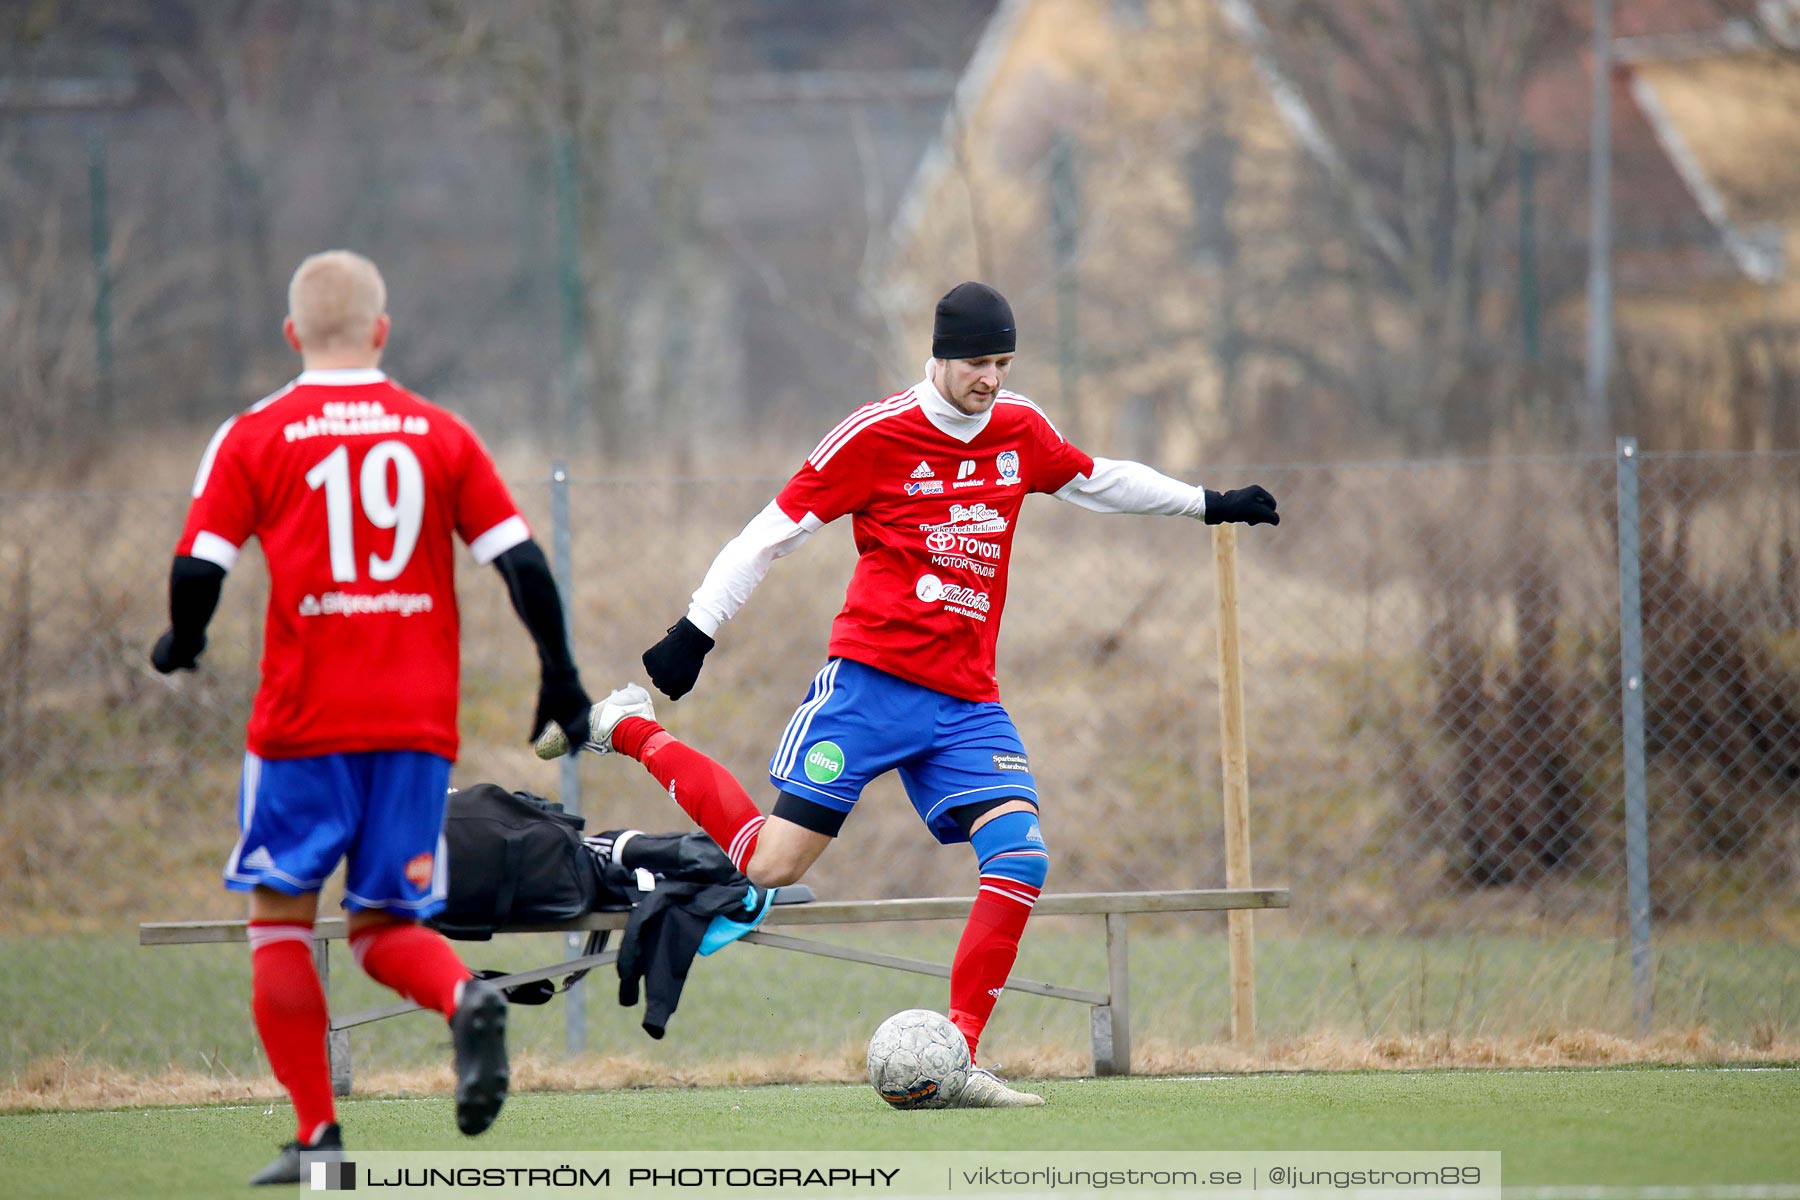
(170, 655)
(561, 701)
(194, 585)
(674, 662)
(1248, 506)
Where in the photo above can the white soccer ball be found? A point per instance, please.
(918, 1059)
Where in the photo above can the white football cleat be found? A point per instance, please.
(628, 701)
(984, 1089)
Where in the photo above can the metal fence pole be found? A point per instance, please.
(1631, 692)
(1600, 233)
(1065, 226)
(575, 999)
(100, 249)
(568, 275)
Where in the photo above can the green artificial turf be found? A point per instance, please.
(1623, 1129)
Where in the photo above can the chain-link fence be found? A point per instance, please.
(1438, 722)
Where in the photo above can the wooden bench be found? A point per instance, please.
(1109, 1020)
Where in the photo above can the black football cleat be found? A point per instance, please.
(478, 1031)
(287, 1167)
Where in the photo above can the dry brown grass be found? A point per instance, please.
(69, 1083)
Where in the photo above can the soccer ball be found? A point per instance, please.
(918, 1059)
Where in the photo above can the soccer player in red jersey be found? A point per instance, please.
(933, 479)
(355, 487)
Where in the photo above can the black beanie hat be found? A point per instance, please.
(973, 321)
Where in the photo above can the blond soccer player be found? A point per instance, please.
(357, 489)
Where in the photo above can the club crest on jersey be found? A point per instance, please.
(969, 518)
(1007, 463)
(925, 487)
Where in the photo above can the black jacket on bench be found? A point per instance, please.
(662, 938)
(516, 858)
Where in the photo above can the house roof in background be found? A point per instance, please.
(1691, 186)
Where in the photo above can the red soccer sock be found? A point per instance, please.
(289, 1007)
(987, 951)
(706, 791)
(415, 961)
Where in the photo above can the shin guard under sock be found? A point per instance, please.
(291, 1019)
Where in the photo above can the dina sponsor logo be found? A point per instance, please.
(926, 487)
(969, 518)
(824, 762)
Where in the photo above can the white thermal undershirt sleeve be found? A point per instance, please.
(741, 565)
(1121, 486)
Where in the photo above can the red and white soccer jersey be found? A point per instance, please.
(934, 518)
(354, 486)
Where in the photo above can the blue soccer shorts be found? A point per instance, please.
(382, 809)
(857, 722)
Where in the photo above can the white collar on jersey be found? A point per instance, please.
(945, 415)
(341, 376)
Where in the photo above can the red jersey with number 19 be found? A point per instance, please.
(934, 517)
(354, 486)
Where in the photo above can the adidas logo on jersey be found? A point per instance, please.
(922, 471)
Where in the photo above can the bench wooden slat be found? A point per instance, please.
(1109, 1020)
(819, 912)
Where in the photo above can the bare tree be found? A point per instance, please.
(1419, 108)
(684, 106)
(80, 261)
(565, 71)
(248, 70)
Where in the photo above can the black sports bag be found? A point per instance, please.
(513, 857)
